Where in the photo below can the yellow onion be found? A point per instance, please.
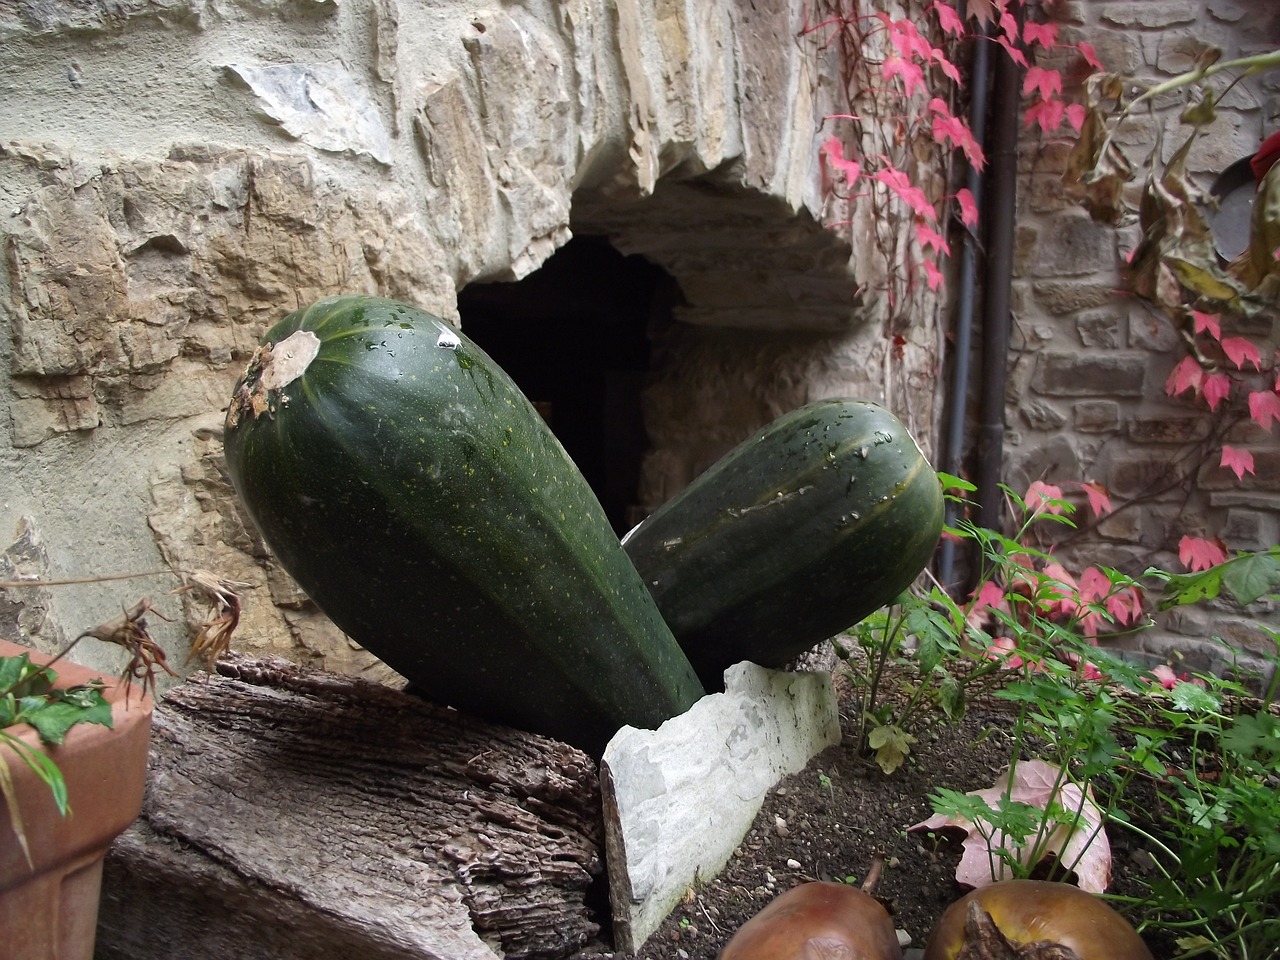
(817, 920)
(1033, 920)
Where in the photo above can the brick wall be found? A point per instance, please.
(1089, 363)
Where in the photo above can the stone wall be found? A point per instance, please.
(175, 175)
(1089, 364)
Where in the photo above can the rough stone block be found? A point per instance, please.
(1097, 416)
(1150, 15)
(1074, 247)
(1042, 416)
(678, 800)
(1250, 529)
(1150, 331)
(1113, 374)
(1169, 428)
(1100, 329)
(1062, 297)
(1131, 476)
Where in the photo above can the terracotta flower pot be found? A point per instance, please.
(49, 911)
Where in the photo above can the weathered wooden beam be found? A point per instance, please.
(292, 813)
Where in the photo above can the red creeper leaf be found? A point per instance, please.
(1207, 323)
(1238, 461)
(1094, 585)
(948, 19)
(912, 74)
(1264, 406)
(1045, 34)
(932, 275)
(1076, 114)
(1197, 553)
(1041, 496)
(911, 195)
(1090, 56)
(833, 150)
(930, 237)
(1187, 375)
(1242, 351)
(1099, 498)
(1048, 83)
(1216, 387)
(947, 127)
(969, 215)
(1047, 113)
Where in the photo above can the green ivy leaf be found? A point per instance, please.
(1193, 698)
(1251, 576)
(1252, 734)
(892, 744)
(53, 718)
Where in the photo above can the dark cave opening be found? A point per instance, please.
(574, 336)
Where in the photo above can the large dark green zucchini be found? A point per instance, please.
(816, 521)
(418, 498)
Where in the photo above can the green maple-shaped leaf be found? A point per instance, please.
(1251, 734)
(1252, 576)
(892, 745)
(1193, 698)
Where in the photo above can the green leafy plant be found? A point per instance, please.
(919, 637)
(27, 695)
(1186, 764)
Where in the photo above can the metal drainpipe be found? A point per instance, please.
(1001, 206)
(962, 347)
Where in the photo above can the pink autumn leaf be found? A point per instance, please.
(1215, 388)
(911, 195)
(1242, 351)
(1207, 323)
(1187, 375)
(1099, 498)
(932, 275)
(912, 74)
(1047, 113)
(1237, 461)
(1197, 553)
(833, 150)
(947, 127)
(1045, 34)
(1165, 676)
(1125, 605)
(1044, 497)
(949, 69)
(1076, 114)
(1058, 591)
(1094, 585)
(1048, 83)
(1016, 55)
(1008, 25)
(1264, 406)
(1084, 849)
(1090, 55)
(948, 19)
(930, 237)
(968, 208)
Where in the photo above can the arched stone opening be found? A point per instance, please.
(673, 325)
(574, 335)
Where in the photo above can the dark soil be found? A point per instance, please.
(829, 821)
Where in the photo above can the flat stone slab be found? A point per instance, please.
(678, 800)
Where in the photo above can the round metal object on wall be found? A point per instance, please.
(1229, 223)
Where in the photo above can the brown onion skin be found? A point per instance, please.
(1027, 911)
(814, 920)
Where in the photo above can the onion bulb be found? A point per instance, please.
(1033, 920)
(816, 921)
